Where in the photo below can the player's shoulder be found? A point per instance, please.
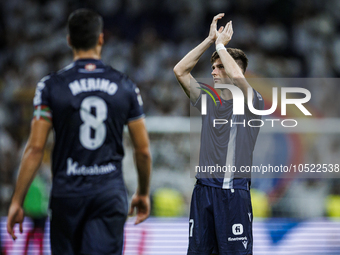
(46, 80)
(123, 79)
(65, 70)
(117, 74)
(43, 88)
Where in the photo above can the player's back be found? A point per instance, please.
(89, 104)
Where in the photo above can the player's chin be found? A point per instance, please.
(222, 81)
(217, 82)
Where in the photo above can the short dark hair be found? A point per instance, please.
(84, 27)
(236, 54)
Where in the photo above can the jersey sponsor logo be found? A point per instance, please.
(90, 67)
(73, 169)
(92, 84)
(234, 239)
(237, 229)
(245, 243)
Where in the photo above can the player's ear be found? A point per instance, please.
(68, 41)
(101, 39)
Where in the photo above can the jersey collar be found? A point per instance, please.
(85, 61)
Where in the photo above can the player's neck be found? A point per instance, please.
(83, 54)
(226, 94)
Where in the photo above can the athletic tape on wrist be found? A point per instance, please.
(219, 47)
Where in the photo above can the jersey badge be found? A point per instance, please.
(90, 67)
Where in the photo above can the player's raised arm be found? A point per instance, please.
(30, 163)
(183, 68)
(232, 69)
(140, 141)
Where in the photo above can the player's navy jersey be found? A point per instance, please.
(89, 104)
(229, 145)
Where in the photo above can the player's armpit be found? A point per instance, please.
(190, 86)
(187, 63)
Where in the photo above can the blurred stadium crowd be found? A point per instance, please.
(145, 39)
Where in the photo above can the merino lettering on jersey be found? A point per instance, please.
(89, 111)
(92, 84)
(73, 169)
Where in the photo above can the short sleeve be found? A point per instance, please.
(41, 101)
(136, 104)
(41, 96)
(197, 104)
(258, 103)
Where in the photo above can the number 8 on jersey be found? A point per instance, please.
(95, 122)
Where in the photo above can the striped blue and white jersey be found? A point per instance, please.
(227, 146)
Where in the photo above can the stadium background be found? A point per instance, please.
(145, 39)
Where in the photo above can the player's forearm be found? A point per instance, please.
(187, 63)
(230, 66)
(30, 163)
(143, 162)
(234, 72)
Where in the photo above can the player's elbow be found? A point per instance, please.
(178, 70)
(35, 149)
(143, 153)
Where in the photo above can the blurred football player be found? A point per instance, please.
(87, 105)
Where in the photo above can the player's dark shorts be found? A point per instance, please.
(220, 221)
(90, 224)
